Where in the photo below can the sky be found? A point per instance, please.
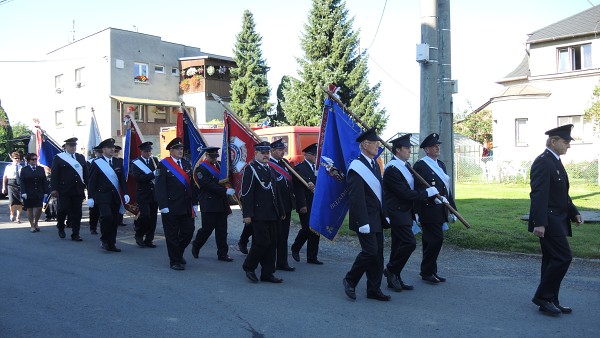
(487, 41)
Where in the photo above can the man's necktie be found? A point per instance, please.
(179, 163)
(110, 162)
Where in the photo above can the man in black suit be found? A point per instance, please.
(433, 214)
(143, 170)
(285, 189)
(400, 195)
(175, 193)
(550, 216)
(263, 211)
(304, 198)
(367, 218)
(67, 178)
(104, 192)
(214, 205)
(93, 212)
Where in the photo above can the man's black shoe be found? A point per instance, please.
(251, 276)
(314, 261)
(406, 286)
(563, 309)
(271, 279)
(349, 289)
(76, 238)
(243, 248)
(286, 268)
(225, 258)
(379, 296)
(392, 280)
(177, 267)
(113, 248)
(183, 261)
(296, 255)
(430, 279)
(61, 233)
(139, 241)
(545, 306)
(150, 244)
(440, 278)
(195, 250)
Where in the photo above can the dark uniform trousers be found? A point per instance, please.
(109, 218)
(556, 258)
(179, 230)
(94, 216)
(305, 235)
(433, 238)
(217, 222)
(282, 240)
(69, 206)
(145, 224)
(369, 261)
(403, 245)
(264, 247)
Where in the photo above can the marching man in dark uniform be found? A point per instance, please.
(144, 172)
(550, 216)
(304, 198)
(93, 212)
(263, 211)
(367, 218)
(105, 184)
(285, 189)
(214, 206)
(175, 194)
(68, 175)
(400, 195)
(433, 214)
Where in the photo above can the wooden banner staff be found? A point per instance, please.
(389, 147)
(249, 130)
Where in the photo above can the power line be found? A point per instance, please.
(392, 78)
(4, 2)
(379, 24)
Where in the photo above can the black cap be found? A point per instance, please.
(311, 149)
(368, 135)
(146, 146)
(563, 132)
(118, 148)
(402, 141)
(212, 151)
(175, 143)
(71, 141)
(98, 149)
(431, 140)
(262, 146)
(278, 144)
(108, 143)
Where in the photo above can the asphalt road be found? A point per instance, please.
(58, 288)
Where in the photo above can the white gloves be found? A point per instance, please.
(126, 198)
(164, 210)
(90, 202)
(155, 172)
(452, 218)
(417, 218)
(365, 229)
(444, 200)
(230, 191)
(24, 196)
(387, 219)
(432, 191)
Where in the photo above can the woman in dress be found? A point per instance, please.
(10, 186)
(34, 189)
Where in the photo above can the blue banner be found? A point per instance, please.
(331, 202)
(192, 140)
(48, 149)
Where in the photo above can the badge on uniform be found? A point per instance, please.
(76, 166)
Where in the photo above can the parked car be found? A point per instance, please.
(3, 165)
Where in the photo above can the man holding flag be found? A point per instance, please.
(143, 169)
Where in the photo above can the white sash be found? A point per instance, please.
(438, 170)
(112, 177)
(143, 167)
(400, 165)
(367, 175)
(73, 162)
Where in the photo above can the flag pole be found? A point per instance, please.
(257, 138)
(389, 147)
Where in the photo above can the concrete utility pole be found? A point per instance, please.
(436, 83)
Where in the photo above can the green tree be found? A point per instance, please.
(249, 87)
(593, 112)
(476, 126)
(279, 119)
(6, 135)
(331, 55)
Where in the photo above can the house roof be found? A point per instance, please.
(584, 23)
(521, 91)
(521, 72)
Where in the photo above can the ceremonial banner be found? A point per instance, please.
(337, 149)
(131, 142)
(94, 138)
(47, 148)
(193, 142)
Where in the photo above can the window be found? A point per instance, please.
(140, 69)
(58, 81)
(583, 130)
(80, 116)
(78, 77)
(574, 58)
(521, 133)
(135, 111)
(159, 69)
(59, 118)
(175, 71)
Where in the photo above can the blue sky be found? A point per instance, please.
(487, 40)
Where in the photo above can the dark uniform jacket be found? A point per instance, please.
(304, 196)
(171, 193)
(65, 179)
(428, 210)
(33, 183)
(365, 207)
(144, 192)
(399, 197)
(551, 205)
(101, 189)
(259, 200)
(285, 188)
(212, 196)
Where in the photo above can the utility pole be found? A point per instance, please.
(436, 85)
